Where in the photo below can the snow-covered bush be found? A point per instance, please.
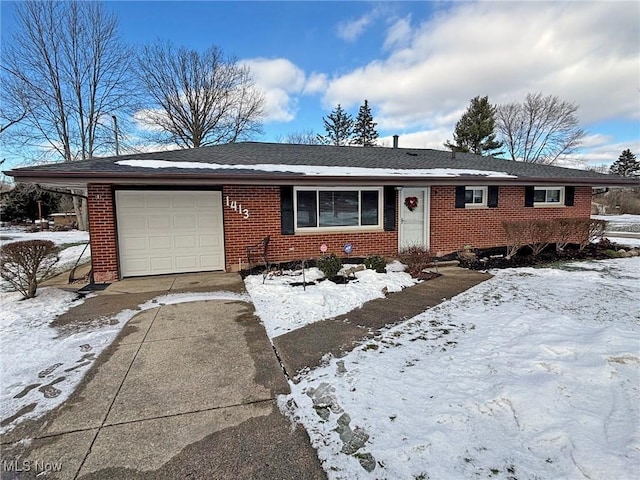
(25, 264)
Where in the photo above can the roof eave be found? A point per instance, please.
(82, 179)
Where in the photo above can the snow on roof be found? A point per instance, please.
(320, 170)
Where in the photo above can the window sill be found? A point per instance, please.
(475, 207)
(337, 230)
(548, 205)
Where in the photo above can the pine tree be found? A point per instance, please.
(364, 129)
(339, 127)
(626, 165)
(474, 131)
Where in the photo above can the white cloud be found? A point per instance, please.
(587, 53)
(399, 34)
(316, 83)
(351, 30)
(280, 80)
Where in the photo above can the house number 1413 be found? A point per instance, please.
(235, 206)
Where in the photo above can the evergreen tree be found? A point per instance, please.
(339, 127)
(364, 129)
(626, 165)
(474, 131)
(22, 202)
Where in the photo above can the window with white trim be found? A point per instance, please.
(475, 196)
(337, 208)
(548, 196)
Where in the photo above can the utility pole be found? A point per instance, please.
(115, 130)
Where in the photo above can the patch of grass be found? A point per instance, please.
(371, 346)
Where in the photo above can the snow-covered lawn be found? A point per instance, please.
(533, 374)
(15, 234)
(66, 258)
(621, 224)
(42, 365)
(283, 307)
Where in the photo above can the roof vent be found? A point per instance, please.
(395, 141)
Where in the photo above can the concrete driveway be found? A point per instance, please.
(186, 391)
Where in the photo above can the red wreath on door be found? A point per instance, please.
(411, 203)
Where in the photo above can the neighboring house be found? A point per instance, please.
(63, 219)
(198, 209)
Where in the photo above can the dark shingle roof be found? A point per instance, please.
(252, 153)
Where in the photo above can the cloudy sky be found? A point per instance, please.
(418, 63)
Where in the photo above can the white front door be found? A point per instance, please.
(414, 217)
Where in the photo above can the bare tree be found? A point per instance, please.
(303, 137)
(68, 69)
(198, 98)
(540, 129)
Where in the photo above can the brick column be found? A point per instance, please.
(102, 230)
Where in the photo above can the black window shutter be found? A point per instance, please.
(492, 194)
(460, 197)
(389, 202)
(569, 194)
(528, 196)
(286, 210)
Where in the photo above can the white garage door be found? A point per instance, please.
(169, 231)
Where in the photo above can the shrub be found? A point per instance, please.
(516, 236)
(416, 258)
(25, 264)
(376, 262)
(589, 231)
(330, 265)
(540, 234)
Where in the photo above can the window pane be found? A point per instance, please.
(477, 196)
(338, 209)
(539, 196)
(306, 212)
(369, 207)
(553, 196)
(468, 196)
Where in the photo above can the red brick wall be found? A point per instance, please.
(104, 252)
(263, 204)
(453, 228)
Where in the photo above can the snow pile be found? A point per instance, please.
(283, 307)
(532, 374)
(42, 365)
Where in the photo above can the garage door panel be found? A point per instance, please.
(185, 221)
(130, 244)
(210, 261)
(138, 265)
(186, 241)
(209, 241)
(186, 262)
(160, 243)
(186, 200)
(161, 264)
(169, 231)
(157, 200)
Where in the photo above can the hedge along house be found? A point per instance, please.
(198, 209)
